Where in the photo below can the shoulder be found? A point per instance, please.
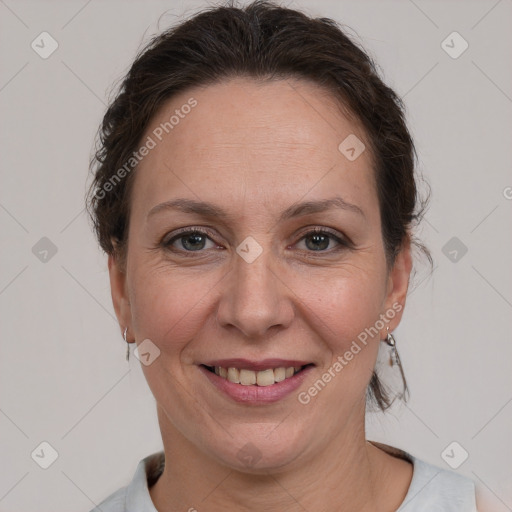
(116, 502)
(434, 488)
(135, 496)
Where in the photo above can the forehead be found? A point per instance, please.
(242, 140)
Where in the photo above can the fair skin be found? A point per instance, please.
(255, 149)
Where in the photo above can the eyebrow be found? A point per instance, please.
(206, 209)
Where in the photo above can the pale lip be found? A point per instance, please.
(256, 395)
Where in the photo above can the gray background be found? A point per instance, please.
(63, 375)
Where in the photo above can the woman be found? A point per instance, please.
(255, 193)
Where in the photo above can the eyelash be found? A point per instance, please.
(166, 244)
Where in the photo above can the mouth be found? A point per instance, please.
(256, 383)
(248, 377)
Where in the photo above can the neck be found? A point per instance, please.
(345, 473)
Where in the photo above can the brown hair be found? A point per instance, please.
(261, 41)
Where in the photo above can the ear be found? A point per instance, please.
(397, 286)
(119, 293)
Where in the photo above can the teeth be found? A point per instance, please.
(234, 375)
(261, 378)
(265, 378)
(247, 377)
(279, 374)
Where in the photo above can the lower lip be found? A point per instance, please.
(257, 395)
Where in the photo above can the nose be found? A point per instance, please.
(255, 298)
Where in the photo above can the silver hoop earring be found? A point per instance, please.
(127, 344)
(394, 358)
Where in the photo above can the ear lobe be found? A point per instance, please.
(398, 283)
(119, 292)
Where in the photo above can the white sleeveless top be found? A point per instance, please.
(432, 489)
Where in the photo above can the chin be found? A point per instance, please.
(259, 453)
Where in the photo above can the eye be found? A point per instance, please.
(196, 239)
(319, 239)
(191, 240)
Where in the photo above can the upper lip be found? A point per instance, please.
(264, 364)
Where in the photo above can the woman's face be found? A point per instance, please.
(258, 290)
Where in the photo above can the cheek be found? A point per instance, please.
(168, 306)
(168, 309)
(343, 319)
(343, 313)
(346, 301)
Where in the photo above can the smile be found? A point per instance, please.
(255, 378)
(256, 383)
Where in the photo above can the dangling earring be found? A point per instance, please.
(127, 344)
(394, 358)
